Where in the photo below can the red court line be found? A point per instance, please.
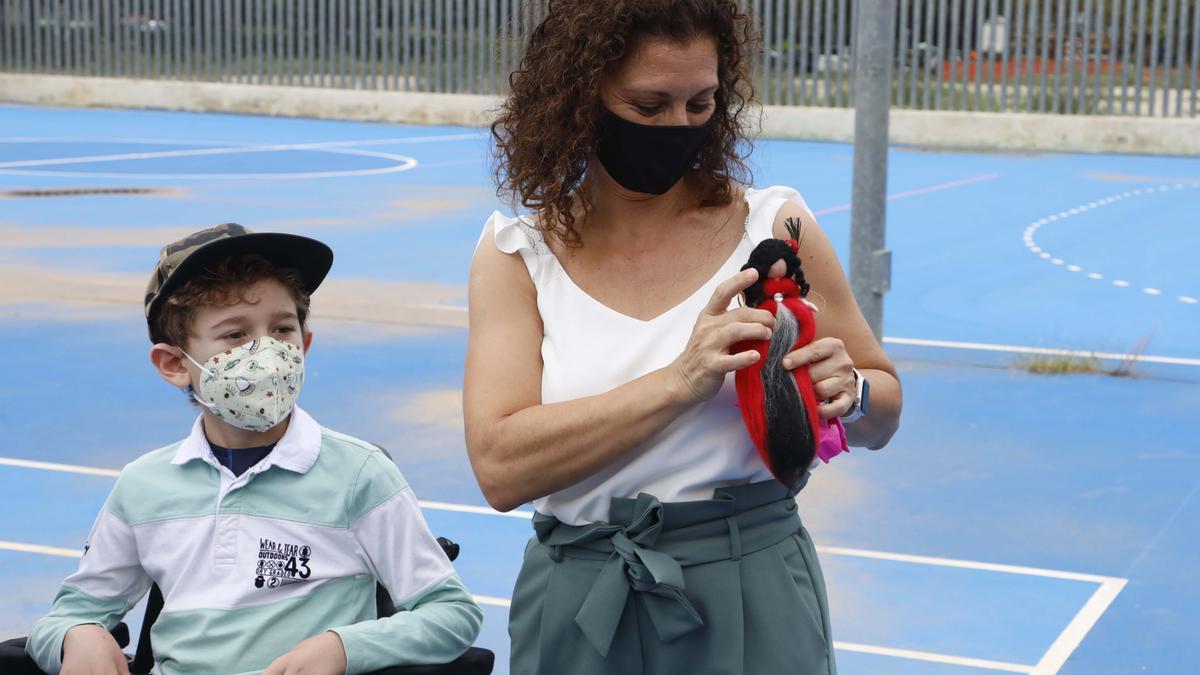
(919, 191)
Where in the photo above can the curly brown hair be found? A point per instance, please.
(547, 127)
(222, 285)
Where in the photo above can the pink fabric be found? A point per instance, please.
(833, 440)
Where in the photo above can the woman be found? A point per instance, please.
(599, 380)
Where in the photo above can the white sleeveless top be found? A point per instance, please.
(589, 349)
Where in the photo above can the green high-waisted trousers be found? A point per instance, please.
(726, 586)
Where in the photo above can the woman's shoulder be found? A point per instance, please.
(770, 206)
(513, 234)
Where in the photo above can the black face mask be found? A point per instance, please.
(647, 158)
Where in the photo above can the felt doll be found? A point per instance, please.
(779, 407)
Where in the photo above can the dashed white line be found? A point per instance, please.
(1028, 237)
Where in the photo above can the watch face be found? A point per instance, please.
(866, 394)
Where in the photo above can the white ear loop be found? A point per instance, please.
(191, 389)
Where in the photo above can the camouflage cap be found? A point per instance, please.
(184, 259)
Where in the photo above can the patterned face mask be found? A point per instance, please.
(254, 386)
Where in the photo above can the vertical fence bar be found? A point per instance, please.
(903, 47)
(827, 47)
(369, 51)
(913, 24)
(73, 39)
(1139, 71)
(53, 22)
(287, 45)
(1168, 53)
(1005, 63)
(792, 53)
(1060, 23)
(1154, 60)
(492, 53)
(408, 11)
(439, 23)
(970, 54)
(1126, 64)
(1179, 61)
(426, 44)
(1095, 63)
(844, 56)
(158, 28)
(1044, 59)
(357, 39)
(389, 43)
(943, 53)
(1195, 56)
(806, 61)
(460, 55)
(978, 75)
(1111, 34)
(930, 52)
(1024, 85)
(505, 41)
(773, 27)
(1069, 103)
(466, 71)
(211, 44)
(954, 56)
(821, 44)
(762, 60)
(987, 59)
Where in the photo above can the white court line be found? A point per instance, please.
(1046, 351)
(1049, 664)
(37, 548)
(969, 564)
(983, 346)
(1055, 657)
(113, 473)
(227, 150)
(1080, 626)
(72, 553)
(933, 657)
(526, 515)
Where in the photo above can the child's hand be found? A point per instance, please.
(318, 655)
(88, 649)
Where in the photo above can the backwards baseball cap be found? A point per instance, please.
(184, 259)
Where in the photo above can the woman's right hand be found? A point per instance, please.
(699, 371)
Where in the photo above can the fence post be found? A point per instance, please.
(870, 262)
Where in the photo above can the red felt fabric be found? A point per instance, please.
(748, 381)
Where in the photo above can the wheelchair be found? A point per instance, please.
(476, 661)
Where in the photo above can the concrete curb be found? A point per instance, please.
(934, 129)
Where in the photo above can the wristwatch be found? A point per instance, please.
(862, 394)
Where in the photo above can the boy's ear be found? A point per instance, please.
(168, 361)
(308, 335)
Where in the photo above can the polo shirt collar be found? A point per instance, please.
(296, 451)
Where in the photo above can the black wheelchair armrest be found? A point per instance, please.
(476, 661)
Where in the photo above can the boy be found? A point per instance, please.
(265, 532)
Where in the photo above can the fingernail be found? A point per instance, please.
(787, 363)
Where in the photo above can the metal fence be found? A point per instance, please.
(1124, 57)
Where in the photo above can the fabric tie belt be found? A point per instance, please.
(648, 543)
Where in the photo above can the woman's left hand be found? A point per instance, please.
(832, 374)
